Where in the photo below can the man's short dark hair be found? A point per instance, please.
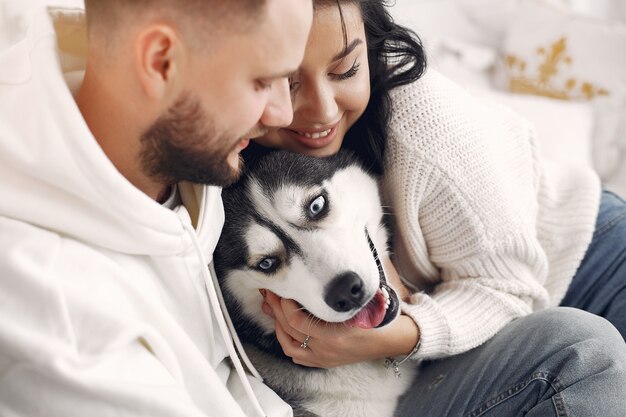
(104, 16)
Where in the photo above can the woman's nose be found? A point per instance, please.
(317, 103)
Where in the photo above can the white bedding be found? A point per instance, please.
(463, 41)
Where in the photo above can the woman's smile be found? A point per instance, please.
(314, 138)
(331, 89)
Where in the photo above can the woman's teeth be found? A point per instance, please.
(315, 135)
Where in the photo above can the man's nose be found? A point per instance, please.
(278, 111)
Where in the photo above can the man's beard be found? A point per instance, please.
(183, 145)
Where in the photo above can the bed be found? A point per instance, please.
(560, 63)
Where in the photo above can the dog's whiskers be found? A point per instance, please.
(312, 321)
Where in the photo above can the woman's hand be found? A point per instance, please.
(334, 344)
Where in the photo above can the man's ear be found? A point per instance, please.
(158, 53)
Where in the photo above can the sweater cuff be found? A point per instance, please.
(432, 324)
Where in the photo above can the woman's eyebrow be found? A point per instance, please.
(346, 51)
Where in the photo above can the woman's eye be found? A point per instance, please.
(348, 74)
(268, 264)
(317, 205)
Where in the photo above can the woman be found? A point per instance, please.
(485, 234)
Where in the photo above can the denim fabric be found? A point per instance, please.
(542, 365)
(600, 282)
(537, 366)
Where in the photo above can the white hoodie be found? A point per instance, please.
(106, 302)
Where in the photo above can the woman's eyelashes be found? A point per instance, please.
(294, 84)
(348, 74)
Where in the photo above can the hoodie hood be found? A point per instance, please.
(53, 173)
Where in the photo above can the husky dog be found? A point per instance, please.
(309, 229)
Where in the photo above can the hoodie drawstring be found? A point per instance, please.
(224, 323)
(231, 326)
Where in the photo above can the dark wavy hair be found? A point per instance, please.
(396, 57)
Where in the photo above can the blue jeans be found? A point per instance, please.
(600, 282)
(557, 362)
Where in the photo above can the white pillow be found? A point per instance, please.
(564, 128)
(493, 17)
(554, 52)
(433, 20)
(551, 51)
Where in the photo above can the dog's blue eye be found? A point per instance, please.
(317, 205)
(267, 264)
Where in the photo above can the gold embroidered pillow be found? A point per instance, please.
(552, 52)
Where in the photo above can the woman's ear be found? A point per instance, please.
(158, 53)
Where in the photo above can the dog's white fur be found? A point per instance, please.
(336, 244)
(327, 252)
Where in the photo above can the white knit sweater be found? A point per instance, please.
(485, 230)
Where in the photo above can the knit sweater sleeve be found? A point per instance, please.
(461, 177)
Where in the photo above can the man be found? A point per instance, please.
(107, 306)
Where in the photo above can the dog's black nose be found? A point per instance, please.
(345, 292)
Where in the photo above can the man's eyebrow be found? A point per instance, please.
(287, 74)
(346, 51)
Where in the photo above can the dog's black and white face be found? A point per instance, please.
(307, 229)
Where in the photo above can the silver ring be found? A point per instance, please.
(305, 343)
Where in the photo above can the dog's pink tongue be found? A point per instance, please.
(371, 315)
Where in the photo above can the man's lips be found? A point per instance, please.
(242, 144)
(245, 139)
